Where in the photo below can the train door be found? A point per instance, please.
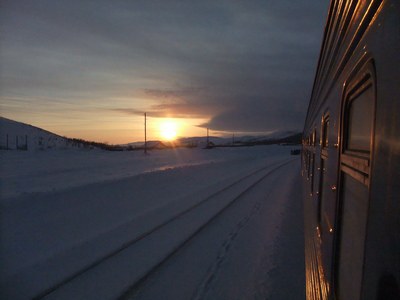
(358, 114)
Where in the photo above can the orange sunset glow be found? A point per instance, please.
(168, 129)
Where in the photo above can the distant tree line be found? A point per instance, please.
(92, 145)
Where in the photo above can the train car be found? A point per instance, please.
(351, 156)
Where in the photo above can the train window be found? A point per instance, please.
(358, 118)
(359, 130)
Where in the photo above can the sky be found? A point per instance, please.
(90, 69)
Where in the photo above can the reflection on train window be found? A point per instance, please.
(359, 116)
(354, 221)
(314, 136)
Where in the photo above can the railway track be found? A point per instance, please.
(118, 273)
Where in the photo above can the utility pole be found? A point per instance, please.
(145, 133)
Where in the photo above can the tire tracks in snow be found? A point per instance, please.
(212, 273)
(202, 290)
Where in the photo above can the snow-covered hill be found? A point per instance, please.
(20, 136)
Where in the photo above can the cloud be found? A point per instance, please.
(128, 111)
(254, 119)
(172, 110)
(242, 65)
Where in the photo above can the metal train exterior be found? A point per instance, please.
(351, 156)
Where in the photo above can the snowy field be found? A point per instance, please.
(224, 223)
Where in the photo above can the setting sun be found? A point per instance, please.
(168, 129)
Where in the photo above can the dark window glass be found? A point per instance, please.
(360, 117)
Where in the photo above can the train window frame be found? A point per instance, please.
(357, 163)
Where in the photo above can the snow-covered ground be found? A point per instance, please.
(175, 224)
